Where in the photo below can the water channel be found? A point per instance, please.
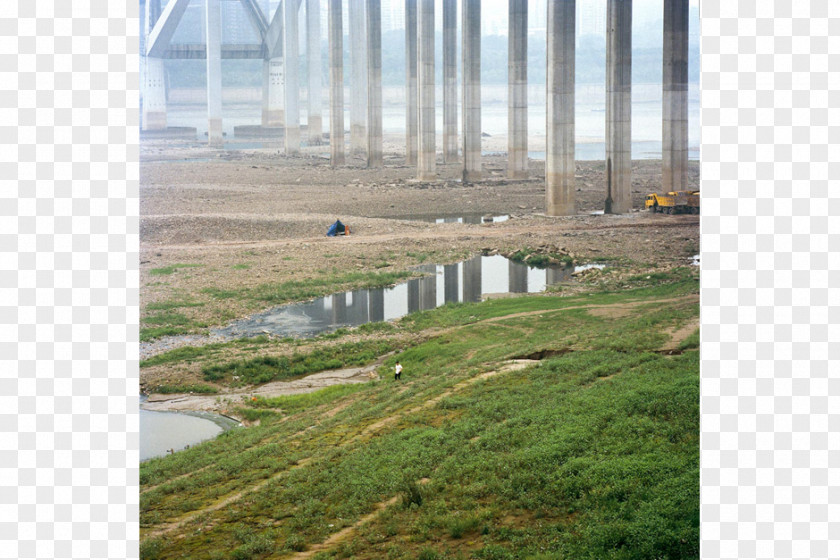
(460, 282)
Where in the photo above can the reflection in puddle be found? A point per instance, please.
(461, 282)
(472, 219)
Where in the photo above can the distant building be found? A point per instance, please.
(393, 15)
(591, 19)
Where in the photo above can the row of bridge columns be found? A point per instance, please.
(281, 89)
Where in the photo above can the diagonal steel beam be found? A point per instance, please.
(273, 38)
(161, 35)
(255, 16)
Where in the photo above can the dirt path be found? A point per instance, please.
(680, 334)
(308, 384)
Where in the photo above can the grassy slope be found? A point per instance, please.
(592, 453)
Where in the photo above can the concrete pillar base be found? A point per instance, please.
(273, 118)
(154, 120)
(316, 137)
(214, 132)
(470, 176)
(292, 140)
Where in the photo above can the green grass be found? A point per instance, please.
(167, 324)
(540, 260)
(189, 354)
(171, 269)
(293, 403)
(270, 368)
(216, 293)
(151, 333)
(172, 304)
(299, 290)
(691, 342)
(194, 388)
(592, 453)
(241, 266)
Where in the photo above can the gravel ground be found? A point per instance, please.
(242, 218)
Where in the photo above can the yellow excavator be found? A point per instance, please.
(674, 202)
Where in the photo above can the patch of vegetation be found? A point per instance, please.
(693, 341)
(171, 304)
(151, 333)
(270, 368)
(241, 266)
(217, 293)
(193, 353)
(167, 324)
(171, 269)
(294, 403)
(194, 388)
(531, 257)
(171, 319)
(381, 327)
(300, 290)
(419, 257)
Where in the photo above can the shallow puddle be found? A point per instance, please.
(469, 219)
(460, 282)
(161, 432)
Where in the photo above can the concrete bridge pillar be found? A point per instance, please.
(376, 304)
(313, 59)
(471, 88)
(619, 169)
(517, 89)
(450, 89)
(411, 82)
(426, 83)
(560, 109)
(336, 48)
(154, 94)
(450, 283)
(374, 80)
(273, 94)
(471, 288)
(675, 96)
(290, 59)
(358, 77)
(154, 78)
(213, 27)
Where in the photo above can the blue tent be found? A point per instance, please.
(336, 229)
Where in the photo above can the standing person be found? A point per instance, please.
(397, 371)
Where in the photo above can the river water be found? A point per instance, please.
(590, 117)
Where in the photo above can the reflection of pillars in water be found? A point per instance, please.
(428, 290)
(339, 309)
(376, 304)
(557, 275)
(517, 278)
(472, 279)
(413, 295)
(450, 283)
(358, 311)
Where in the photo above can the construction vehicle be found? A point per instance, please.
(674, 202)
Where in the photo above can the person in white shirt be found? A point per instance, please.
(397, 371)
